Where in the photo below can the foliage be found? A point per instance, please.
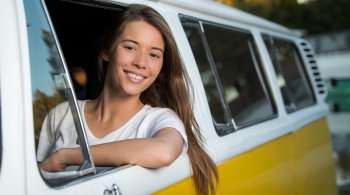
(316, 16)
(42, 102)
(344, 190)
(327, 16)
(42, 105)
(50, 44)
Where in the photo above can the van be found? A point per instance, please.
(259, 99)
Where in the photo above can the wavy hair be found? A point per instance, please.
(171, 89)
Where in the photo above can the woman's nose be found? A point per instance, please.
(140, 60)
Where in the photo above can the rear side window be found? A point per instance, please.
(291, 77)
(231, 73)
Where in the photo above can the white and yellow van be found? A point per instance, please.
(259, 99)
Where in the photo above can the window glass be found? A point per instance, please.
(50, 86)
(231, 75)
(216, 103)
(240, 76)
(290, 74)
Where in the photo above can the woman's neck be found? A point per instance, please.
(108, 106)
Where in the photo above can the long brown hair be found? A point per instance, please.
(171, 90)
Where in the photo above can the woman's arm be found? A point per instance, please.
(161, 150)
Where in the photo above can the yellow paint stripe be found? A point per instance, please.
(297, 163)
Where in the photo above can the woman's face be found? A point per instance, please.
(135, 59)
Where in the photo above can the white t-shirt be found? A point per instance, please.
(58, 130)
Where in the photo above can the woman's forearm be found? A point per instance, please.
(143, 152)
(159, 151)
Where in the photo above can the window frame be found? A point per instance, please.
(80, 127)
(87, 167)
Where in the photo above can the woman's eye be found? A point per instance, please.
(154, 55)
(129, 47)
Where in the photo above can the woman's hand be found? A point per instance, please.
(54, 163)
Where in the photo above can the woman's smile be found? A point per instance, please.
(135, 76)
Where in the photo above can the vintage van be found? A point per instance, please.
(259, 99)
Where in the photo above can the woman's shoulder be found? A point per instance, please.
(158, 113)
(157, 110)
(158, 118)
(64, 107)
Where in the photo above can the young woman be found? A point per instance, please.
(143, 114)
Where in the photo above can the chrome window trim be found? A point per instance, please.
(80, 128)
(93, 176)
(216, 76)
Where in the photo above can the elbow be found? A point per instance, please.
(165, 160)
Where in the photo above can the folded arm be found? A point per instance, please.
(160, 150)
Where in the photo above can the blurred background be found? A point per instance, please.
(326, 25)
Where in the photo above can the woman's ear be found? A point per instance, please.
(105, 56)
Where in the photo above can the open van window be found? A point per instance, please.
(290, 72)
(52, 88)
(231, 73)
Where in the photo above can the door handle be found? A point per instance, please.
(114, 191)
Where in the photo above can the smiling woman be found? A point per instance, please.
(143, 115)
(136, 58)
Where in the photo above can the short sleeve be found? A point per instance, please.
(166, 118)
(50, 130)
(46, 139)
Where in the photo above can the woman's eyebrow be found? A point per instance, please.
(130, 40)
(137, 43)
(157, 48)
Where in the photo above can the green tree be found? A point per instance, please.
(316, 16)
(42, 102)
(42, 105)
(53, 58)
(326, 16)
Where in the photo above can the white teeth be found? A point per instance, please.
(134, 76)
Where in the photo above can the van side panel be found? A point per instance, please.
(312, 149)
(267, 169)
(297, 163)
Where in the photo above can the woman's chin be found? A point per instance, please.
(133, 92)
